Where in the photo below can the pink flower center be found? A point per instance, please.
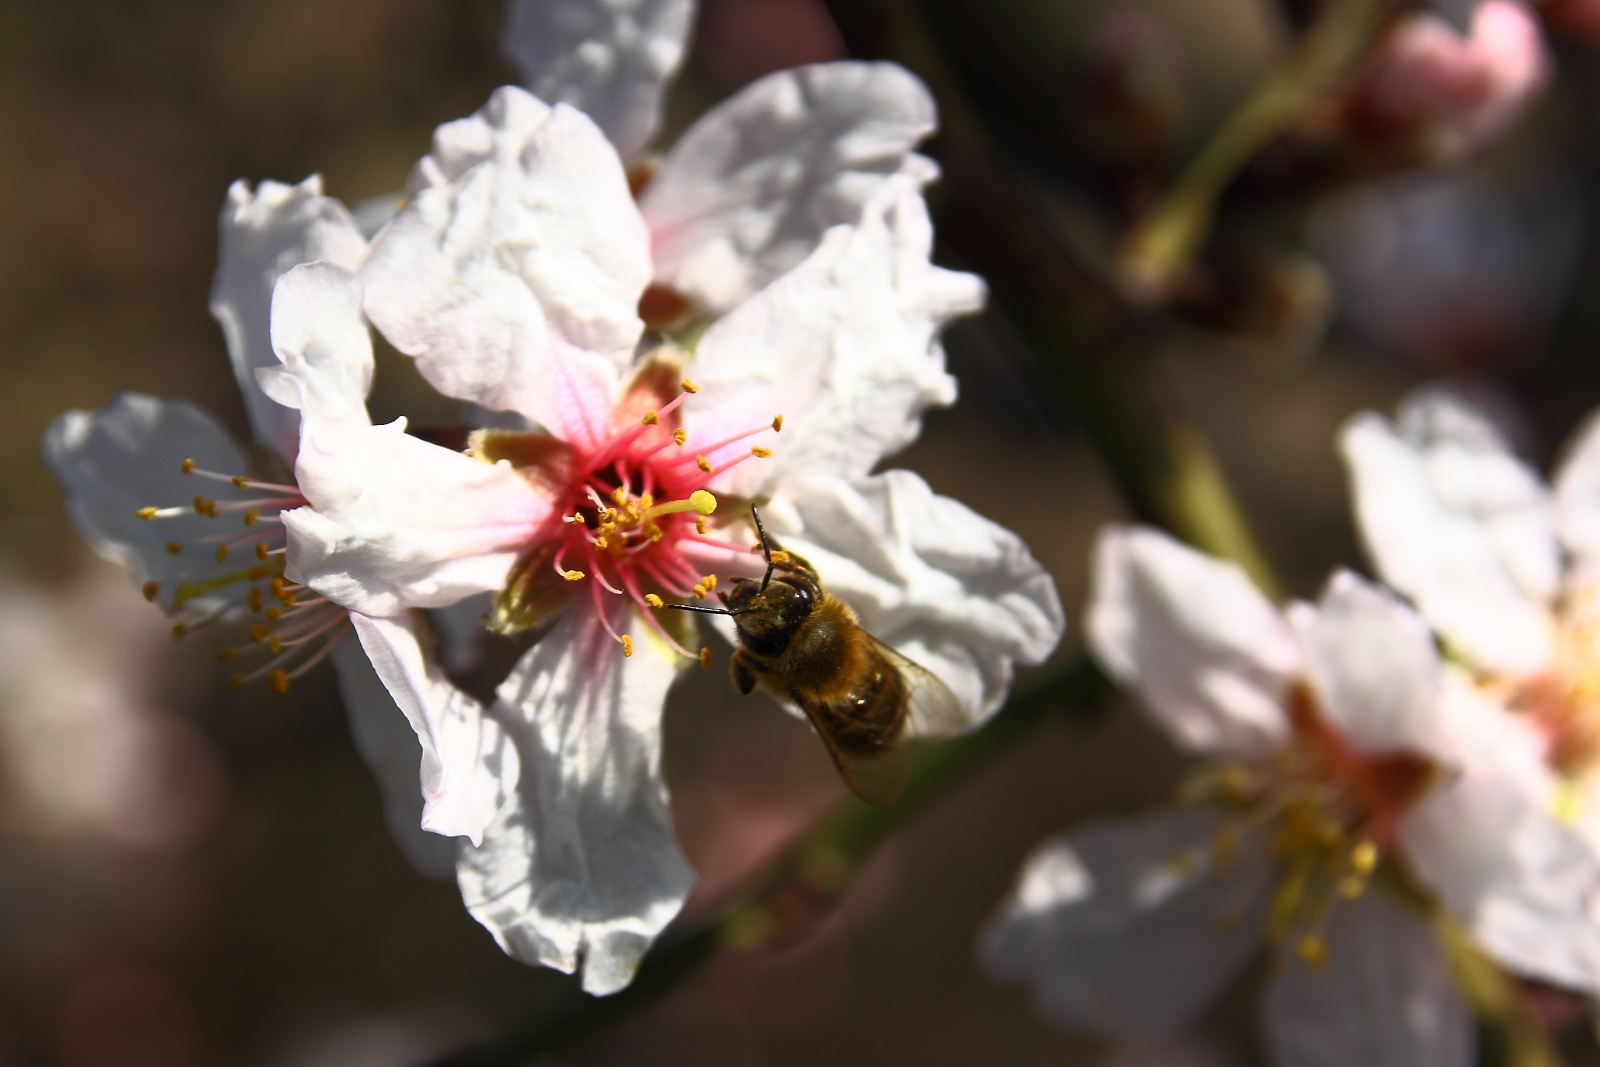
(634, 514)
(1330, 812)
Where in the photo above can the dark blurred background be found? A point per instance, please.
(191, 876)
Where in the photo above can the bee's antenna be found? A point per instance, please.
(706, 610)
(766, 549)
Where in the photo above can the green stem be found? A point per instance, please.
(1081, 330)
(1157, 251)
(788, 896)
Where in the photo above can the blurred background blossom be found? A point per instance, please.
(192, 876)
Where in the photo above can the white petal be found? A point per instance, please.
(1577, 483)
(610, 59)
(1113, 937)
(390, 748)
(1483, 839)
(1373, 665)
(581, 868)
(129, 455)
(263, 234)
(1210, 657)
(747, 193)
(951, 591)
(323, 365)
(845, 347)
(469, 766)
(520, 237)
(401, 523)
(394, 522)
(1458, 524)
(1384, 999)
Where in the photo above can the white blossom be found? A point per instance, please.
(1334, 749)
(513, 275)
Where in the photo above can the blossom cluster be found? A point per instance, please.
(681, 373)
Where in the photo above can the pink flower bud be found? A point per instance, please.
(1459, 92)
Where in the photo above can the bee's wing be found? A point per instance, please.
(933, 712)
(878, 776)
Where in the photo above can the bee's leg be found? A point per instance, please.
(744, 676)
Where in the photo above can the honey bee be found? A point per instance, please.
(805, 647)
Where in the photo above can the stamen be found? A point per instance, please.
(150, 589)
(279, 680)
(653, 600)
(689, 387)
(226, 654)
(699, 500)
(251, 516)
(679, 436)
(649, 419)
(261, 551)
(703, 463)
(705, 658)
(777, 424)
(627, 645)
(173, 548)
(573, 576)
(222, 553)
(760, 453)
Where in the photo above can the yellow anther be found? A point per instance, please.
(174, 548)
(574, 517)
(274, 644)
(278, 586)
(710, 582)
(653, 600)
(222, 553)
(202, 506)
(777, 424)
(274, 614)
(255, 599)
(1181, 864)
(255, 574)
(148, 513)
(573, 576)
(703, 463)
(235, 681)
(627, 645)
(650, 418)
(655, 533)
(251, 516)
(1351, 887)
(690, 387)
(188, 466)
(1313, 951)
(780, 556)
(705, 659)
(259, 633)
(602, 542)
(150, 589)
(680, 435)
(760, 453)
(226, 654)
(240, 481)
(700, 525)
(279, 680)
(178, 630)
(619, 495)
(646, 502)
(261, 551)
(699, 592)
(1364, 857)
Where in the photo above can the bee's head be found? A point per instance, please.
(768, 618)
